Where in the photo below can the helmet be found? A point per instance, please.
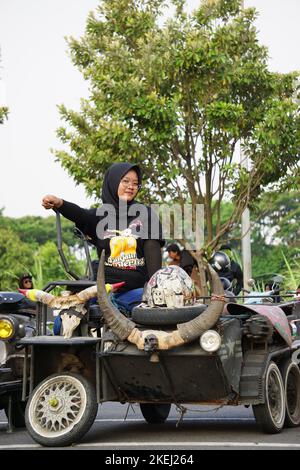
(169, 287)
(220, 262)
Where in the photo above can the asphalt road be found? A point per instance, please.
(119, 427)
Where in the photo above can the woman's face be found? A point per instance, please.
(27, 283)
(129, 186)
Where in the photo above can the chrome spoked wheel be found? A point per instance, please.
(61, 409)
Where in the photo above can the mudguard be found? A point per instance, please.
(274, 314)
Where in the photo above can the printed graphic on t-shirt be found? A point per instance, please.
(123, 249)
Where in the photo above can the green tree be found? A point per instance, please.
(36, 230)
(29, 244)
(280, 220)
(178, 98)
(48, 265)
(15, 258)
(3, 114)
(292, 270)
(268, 258)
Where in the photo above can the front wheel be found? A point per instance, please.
(270, 415)
(61, 409)
(291, 379)
(155, 413)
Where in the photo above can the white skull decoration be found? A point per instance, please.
(170, 287)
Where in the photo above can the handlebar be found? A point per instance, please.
(61, 252)
(60, 248)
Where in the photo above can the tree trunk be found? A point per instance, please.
(201, 284)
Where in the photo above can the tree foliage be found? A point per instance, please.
(274, 233)
(3, 114)
(37, 230)
(48, 265)
(28, 244)
(16, 257)
(177, 97)
(280, 220)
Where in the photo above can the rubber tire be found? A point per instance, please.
(290, 371)
(263, 412)
(165, 315)
(155, 413)
(79, 429)
(17, 413)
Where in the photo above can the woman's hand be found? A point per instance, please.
(51, 202)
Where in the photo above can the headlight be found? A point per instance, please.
(10, 328)
(6, 329)
(210, 341)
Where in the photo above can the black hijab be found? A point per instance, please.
(112, 179)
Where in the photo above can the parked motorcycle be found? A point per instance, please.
(270, 295)
(17, 320)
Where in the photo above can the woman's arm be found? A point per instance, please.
(153, 257)
(84, 219)
(73, 212)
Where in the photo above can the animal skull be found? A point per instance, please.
(150, 343)
(71, 320)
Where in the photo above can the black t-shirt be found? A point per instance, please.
(123, 243)
(234, 274)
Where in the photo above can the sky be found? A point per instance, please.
(36, 74)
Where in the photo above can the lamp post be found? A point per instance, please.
(246, 236)
(245, 226)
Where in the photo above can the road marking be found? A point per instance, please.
(141, 420)
(197, 444)
(20, 446)
(165, 444)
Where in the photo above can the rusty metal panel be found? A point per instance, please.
(177, 377)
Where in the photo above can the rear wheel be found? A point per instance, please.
(61, 409)
(270, 415)
(291, 379)
(155, 413)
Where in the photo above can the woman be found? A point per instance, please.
(25, 281)
(122, 227)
